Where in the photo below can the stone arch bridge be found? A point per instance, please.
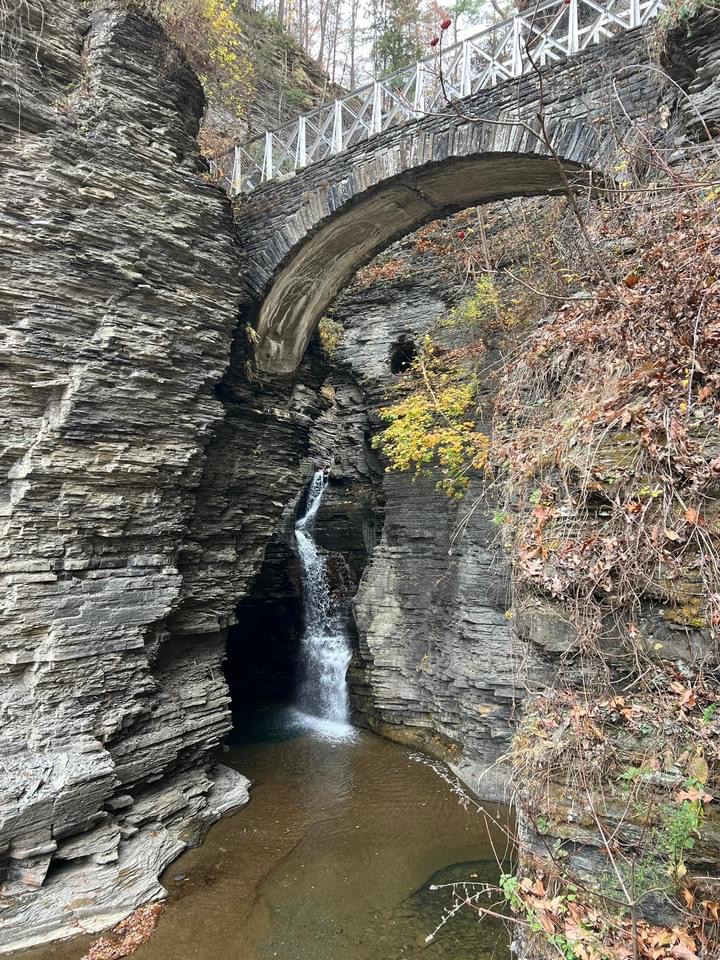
(304, 235)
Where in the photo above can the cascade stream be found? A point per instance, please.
(326, 648)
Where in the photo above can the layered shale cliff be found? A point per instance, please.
(435, 665)
(143, 469)
(119, 293)
(119, 301)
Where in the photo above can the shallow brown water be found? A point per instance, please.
(331, 860)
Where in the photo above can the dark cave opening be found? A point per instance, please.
(263, 647)
(402, 354)
(264, 665)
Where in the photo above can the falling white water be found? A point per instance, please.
(325, 644)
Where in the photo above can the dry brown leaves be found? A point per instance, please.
(610, 419)
(641, 356)
(130, 934)
(591, 935)
(377, 272)
(669, 709)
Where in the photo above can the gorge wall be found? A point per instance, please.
(150, 476)
(435, 665)
(120, 299)
(125, 391)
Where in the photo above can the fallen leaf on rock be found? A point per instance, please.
(713, 908)
(682, 953)
(698, 769)
(693, 795)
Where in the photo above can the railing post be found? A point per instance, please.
(377, 108)
(301, 149)
(337, 139)
(573, 41)
(419, 104)
(466, 79)
(236, 178)
(267, 171)
(635, 19)
(517, 65)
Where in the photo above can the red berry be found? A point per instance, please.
(446, 23)
(435, 41)
(461, 234)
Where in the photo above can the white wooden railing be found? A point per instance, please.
(543, 35)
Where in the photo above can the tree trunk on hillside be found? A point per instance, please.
(336, 25)
(324, 4)
(353, 40)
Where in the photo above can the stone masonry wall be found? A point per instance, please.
(306, 235)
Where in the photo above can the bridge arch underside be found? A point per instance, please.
(316, 269)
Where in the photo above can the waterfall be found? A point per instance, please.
(325, 644)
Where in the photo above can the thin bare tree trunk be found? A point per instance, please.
(324, 4)
(353, 39)
(338, 8)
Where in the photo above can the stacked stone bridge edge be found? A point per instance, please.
(304, 237)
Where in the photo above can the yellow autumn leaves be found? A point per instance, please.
(209, 33)
(432, 428)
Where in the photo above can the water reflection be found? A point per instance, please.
(339, 846)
